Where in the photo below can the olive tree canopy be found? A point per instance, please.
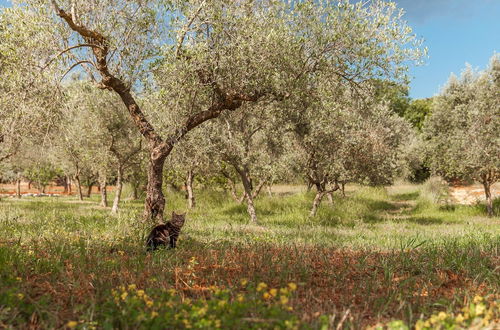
(462, 134)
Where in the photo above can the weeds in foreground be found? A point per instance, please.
(60, 262)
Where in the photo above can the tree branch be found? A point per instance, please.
(186, 27)
(74, 66)
(4, 157)
(67, 50)
(109, 81)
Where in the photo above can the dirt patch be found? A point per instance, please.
(471, 194)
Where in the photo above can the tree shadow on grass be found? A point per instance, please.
(423, 220)
(377, 205)
(372, 218)
(406, 196)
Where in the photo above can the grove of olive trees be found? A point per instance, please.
(203, 58)
(308, 187)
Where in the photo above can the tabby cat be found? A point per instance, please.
(167, 233)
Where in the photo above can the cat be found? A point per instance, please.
(167, 233)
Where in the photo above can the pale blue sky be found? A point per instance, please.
(455, 31)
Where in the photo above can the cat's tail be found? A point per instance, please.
(150, 246)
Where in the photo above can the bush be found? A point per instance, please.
(435, 189)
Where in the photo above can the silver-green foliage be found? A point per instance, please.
(462, 135)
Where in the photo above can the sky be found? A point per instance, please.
(455, 32)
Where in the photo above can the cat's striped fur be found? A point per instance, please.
(166, 234)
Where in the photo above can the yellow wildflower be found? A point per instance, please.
(442, 316)
(419, 325)
(222, 303)
(121, 252)
(480, 308)
(19, 279)
(292, 286)
(154, 314)
(72, 324)
(244, 281)
(132, 287)
(459, 318)
(124, 295)
(149, 303)
(140, 293)
(240, 298)
(266, 295)
(477, 299)
(186, 323)
(273, 292)
(284, 300)
(20, 296)
(261, 286)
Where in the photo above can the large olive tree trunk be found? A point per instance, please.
(154, 205)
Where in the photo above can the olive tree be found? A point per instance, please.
(341, 142)
(99, 136)
(220, 54)
(28, 98)
(251, 143)
(461, 135)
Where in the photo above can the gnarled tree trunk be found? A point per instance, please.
(316, 202)
(247, 186)
(154, 204)
(89, 189)
(79, 185)
(118, 190)
(18, 186)
(135, 192)
(489, 199)
(269, 190)
(69, 183)
(321, 191)
(189, 189)
(104, 194)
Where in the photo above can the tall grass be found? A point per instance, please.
(372, 256)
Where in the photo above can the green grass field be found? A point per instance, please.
(374, 257)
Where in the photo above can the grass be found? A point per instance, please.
(371, 257)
